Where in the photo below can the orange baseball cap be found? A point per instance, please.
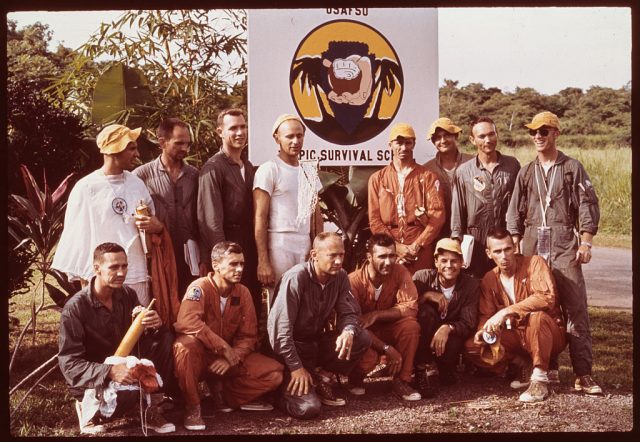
(443, 123)
(401, 130)
(545, 118)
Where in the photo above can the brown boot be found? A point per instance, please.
(192, 418)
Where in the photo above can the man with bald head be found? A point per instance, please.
(406, 201)
(306, 297)
(285, 195)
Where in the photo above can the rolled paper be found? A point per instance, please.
(133, 334)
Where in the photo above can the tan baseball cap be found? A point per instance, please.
(545, 118)
(401, 130)
(282, 118)
(443, 123)
(116, 137)
(448, 244)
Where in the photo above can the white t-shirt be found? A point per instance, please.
(377, 292)
(100, 209)
(402, 174)
(223, 304)
(507, 283)
(280, 181)
(448, 292)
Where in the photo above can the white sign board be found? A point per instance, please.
(349, 73)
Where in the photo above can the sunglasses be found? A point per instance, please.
(543, 132)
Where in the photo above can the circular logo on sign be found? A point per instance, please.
(119, 205)
(346, 82)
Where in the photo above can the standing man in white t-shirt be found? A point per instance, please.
(102, 208)
(285, 195)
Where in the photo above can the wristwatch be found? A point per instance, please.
(385, 348)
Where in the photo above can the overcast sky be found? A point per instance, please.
(544, 48)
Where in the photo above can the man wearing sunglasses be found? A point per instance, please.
(554, 210)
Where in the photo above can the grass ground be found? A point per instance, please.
(49, 410)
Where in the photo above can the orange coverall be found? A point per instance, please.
(540, 330)
(201, 332)
(398, 292)
(422, 189)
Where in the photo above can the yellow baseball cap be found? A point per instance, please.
(545, 118)
(282, 118)
(401, 130)
(443, 123)
(448, 244)
(116, 137)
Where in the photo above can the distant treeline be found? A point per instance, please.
(598, 117)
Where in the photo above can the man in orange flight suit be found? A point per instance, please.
(406, 201)
(217, 336)
(523, 290)
(388, 300)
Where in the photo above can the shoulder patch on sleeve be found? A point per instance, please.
(194, 294)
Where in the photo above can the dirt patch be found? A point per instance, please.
(477, 405)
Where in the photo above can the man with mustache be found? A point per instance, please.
(406, 201)
(387, 298)
(217, 334)
(173, 185)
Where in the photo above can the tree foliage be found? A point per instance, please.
(598, 111)
(189, 57)
(28, 56)
(41, 134)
